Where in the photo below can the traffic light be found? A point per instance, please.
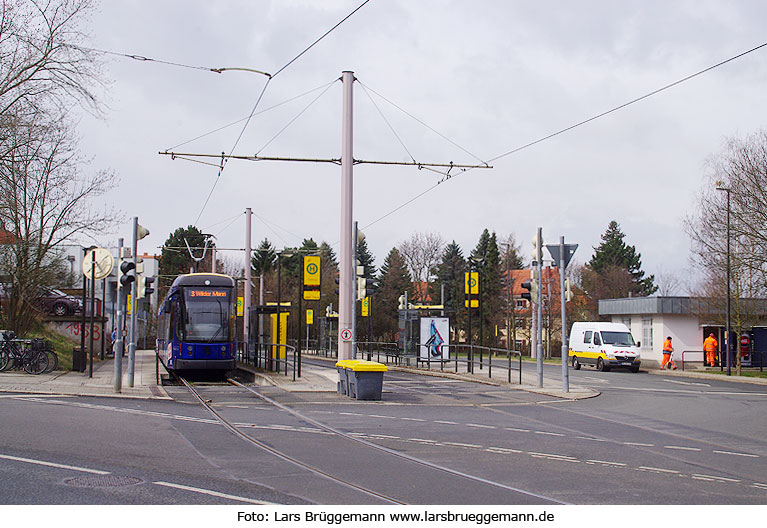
(568, 291)
(126, 266)
(328, 311)
(537, 246)
(144, 287)
(365, 287)
(532, 290)
(401, 301)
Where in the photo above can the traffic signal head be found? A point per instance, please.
(527, 285)
(568, 291)
(365, 287)
(401, 301)
(125, 268)
(144, 286)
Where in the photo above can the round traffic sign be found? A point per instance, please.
(311, 269)
(346, 334)
(99, 261)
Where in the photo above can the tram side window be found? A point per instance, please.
(172, 323)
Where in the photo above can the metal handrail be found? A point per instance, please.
(693, 351)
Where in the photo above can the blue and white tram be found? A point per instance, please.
(196, 323)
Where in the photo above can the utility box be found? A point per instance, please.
(364, 379)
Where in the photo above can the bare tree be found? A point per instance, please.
(668, 283)
(45, 198)
(739, 172)
(422, 253)
(42, 58)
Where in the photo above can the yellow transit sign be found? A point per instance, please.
(311, 295)
(130, 305)
(471, 283)
(311, 271)
(240, 306)
(474, 303)
(366, 307)
(309, 317)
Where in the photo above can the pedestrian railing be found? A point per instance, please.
(273, 357)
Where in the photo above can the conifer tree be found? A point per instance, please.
(613, 253)
(394, 280)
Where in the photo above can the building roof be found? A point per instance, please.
(672, 305)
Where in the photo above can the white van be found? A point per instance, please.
(604, 345)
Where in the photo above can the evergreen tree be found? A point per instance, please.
(613, 255)
(366, 259)
(450, 273)
(264, 258)
(175, 259)
(487, 260)
(394, 280)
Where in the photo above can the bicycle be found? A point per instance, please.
(33, 356)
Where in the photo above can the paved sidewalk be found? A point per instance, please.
(101, 384)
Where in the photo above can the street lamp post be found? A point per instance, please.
(720, 187)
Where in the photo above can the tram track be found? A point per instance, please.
(352, 437)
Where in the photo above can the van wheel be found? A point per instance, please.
(601, 367)
(576, 364)
(635, 369)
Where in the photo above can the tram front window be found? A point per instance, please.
(206, 314)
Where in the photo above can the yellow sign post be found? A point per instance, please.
(309, 317)
(240, 306)
(366, 307)
(471, 283)
(311, 271)
(130, 305)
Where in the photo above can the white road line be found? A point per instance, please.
(759, 485)
(640, 444)
(212, 493)
(459, 444)
(551, 456)
(503, 450)
(650, 468)
(381, 416)
(237, 407)
(548, 433)
(517, 430)
(422, 441)
(413, 419)
(445, 422)
(736, 454)
(698, 476)
(682, 448)
(480, 426)
(351, 414)
(53, 464)
(605, 462)
(687, 382)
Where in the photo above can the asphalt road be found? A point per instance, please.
(645, 440)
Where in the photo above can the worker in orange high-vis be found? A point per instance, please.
(710, 347)
(667, 351)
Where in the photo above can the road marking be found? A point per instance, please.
(380, 416)
(683, 391)
(351, 414)
(687, 383)
(548, 433)
(445, 422)
(683, 448)
(212, 493)
(605, 462)
(414, 419)
(517, 430)
(53, 464)
(551, 456)
(480, 426)
(736, 454)
(640, 444)
(459, 444)
(650, 468)
(502, 450)
(423, 441)
(237, 407)
(759, 485)
(713, 478)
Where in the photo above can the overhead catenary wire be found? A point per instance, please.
(224, 159)
(572, 127)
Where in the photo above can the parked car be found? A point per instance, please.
(56, 302)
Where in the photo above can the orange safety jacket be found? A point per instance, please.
(710, 344)
(667, 348)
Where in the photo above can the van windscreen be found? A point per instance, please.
(618, 338)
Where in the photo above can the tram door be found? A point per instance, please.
(282, 339)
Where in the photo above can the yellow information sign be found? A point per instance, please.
(309, 317)
(311, 271)
(474, 303)
(311, 295)
(471, 283)
(240, 306)
(366, 307)
(129, 309)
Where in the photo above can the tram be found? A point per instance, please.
(196, 323)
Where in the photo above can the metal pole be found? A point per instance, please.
(261, 335)
(346, 282)
(82, 321)
(119, 343)
(729, 361)
(103, 317)
(354, 286)
(132, 326)
(213, 260)
(470, 354)
(300, 318)
(246, 289)
(562, 265)
(93, 309)
(539, 357)
(276, 338)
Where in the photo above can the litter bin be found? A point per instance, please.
(365, 380)
(342, 367)
(78, 359)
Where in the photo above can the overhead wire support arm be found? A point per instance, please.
(189, 157)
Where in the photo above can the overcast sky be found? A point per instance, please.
(489, 75)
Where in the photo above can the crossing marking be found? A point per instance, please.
(53, 464)
(212, 493)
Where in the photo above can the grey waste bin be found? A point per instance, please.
(365, 380)
(78, 359)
